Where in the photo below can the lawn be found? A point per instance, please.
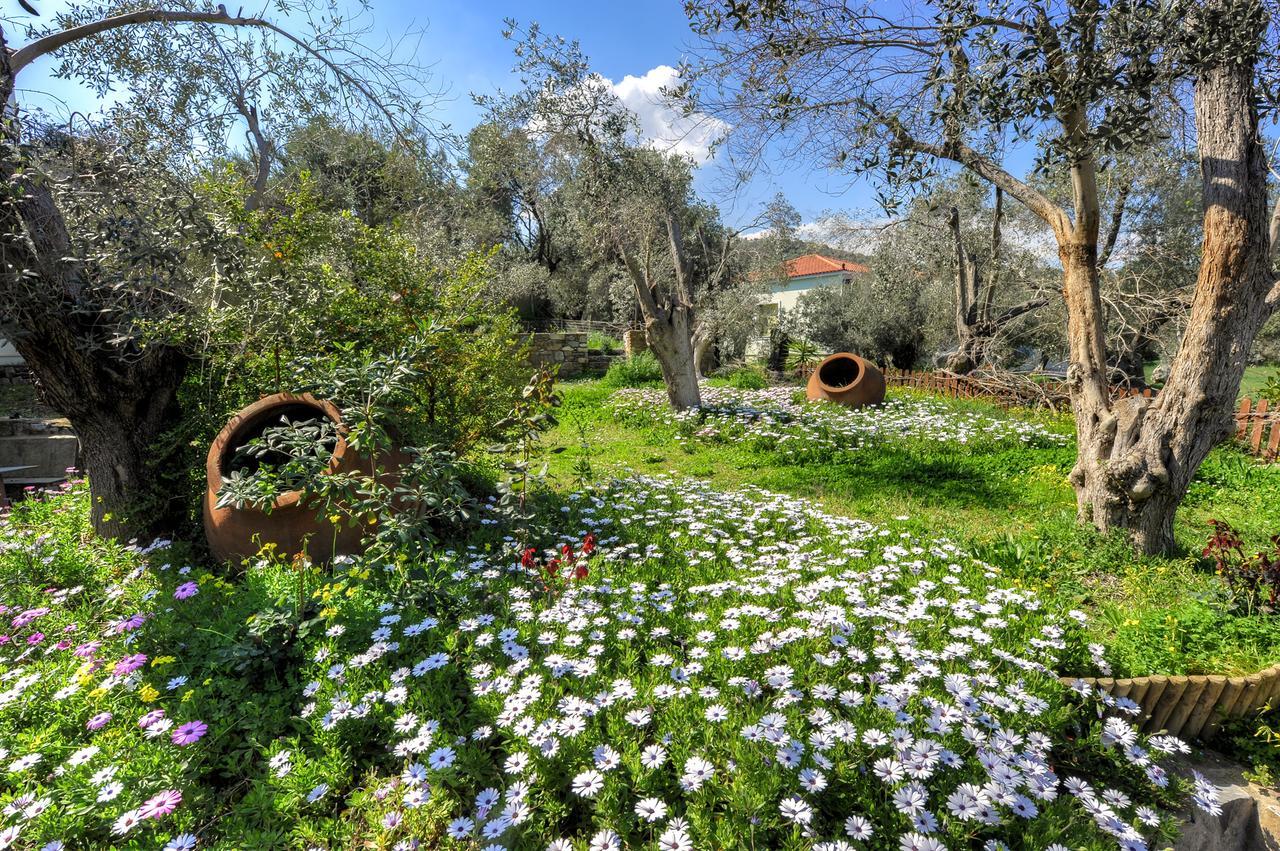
(1010, 502)
(1255, 377)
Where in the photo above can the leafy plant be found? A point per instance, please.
(639, 370)
(1271, 390)
(1255, 579)
(803, 356)
(529, 419)
(400, 496)
(285, 457)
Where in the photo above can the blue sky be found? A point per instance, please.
(464, 46)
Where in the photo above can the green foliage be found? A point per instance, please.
(327, 288)
(750, 377)
(401, 496)
(803, 356)
(530, 417)
(1271, 390)
(602, 342)
(639, 370)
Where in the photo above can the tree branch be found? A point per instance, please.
(1113, 231)
(27, 54)
(958, 152)
(53, 42)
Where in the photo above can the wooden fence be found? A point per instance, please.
(1194, 705)
(1257, 424)
(1259, 428)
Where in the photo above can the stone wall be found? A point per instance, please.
(14, 374)
(568, 349)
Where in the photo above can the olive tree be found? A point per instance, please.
(961, 82)
(79, 321)
(632, 201)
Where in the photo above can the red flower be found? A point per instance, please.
(580, 571)
(526, 560)
(588, 545)
(553, 566)
(567, 552)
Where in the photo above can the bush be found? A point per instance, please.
(641, 370)
(331, 290)
(747, 378)
(602, 342)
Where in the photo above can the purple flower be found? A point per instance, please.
(98, 721)
(185, 590)
(35, 638)
(129, 664)
(84, 651)
(128, 624)
(161, 804)
(190, 733)
(150, 718)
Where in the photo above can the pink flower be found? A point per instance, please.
(35, 638)
(190, 733)
(161, 804)
(84, 651)
(129, 664)
(98, 721)
(150, 718)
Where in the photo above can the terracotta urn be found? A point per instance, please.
(293, 523)
(848, 380)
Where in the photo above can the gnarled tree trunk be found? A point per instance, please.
(118, 397)
(1137, 459)
(668, 320)
(976, 320)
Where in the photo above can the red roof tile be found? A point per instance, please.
(820, 264)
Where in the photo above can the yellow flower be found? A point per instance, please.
(162, 660)
(98, 692)
(188, 694)
(147, 693)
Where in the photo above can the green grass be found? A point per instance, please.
(1254, 378)
(1014, 505)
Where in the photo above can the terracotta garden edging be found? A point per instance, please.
(1194, 705)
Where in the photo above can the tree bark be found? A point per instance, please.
(667, 321)
(119, 397)
(1137, 460)
(977, 323)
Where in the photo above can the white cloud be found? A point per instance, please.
(663, 127)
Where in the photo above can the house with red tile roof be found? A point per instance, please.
(804, 274)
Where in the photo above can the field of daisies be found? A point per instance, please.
(780, 420)
(667, 666)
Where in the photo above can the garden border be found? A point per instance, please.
(1192, 705)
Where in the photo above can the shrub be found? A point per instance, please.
(747, 378)
(640, 370)
(602, 342)
(327, 288)
(1254, 580)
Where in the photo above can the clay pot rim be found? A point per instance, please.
(288, 499)
(862, 372)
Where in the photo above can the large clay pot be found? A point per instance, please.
(292, 524)
(848, 380)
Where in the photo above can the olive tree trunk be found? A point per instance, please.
(1136, 459)
(668, 317)
(119, 397)
(978, 324)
